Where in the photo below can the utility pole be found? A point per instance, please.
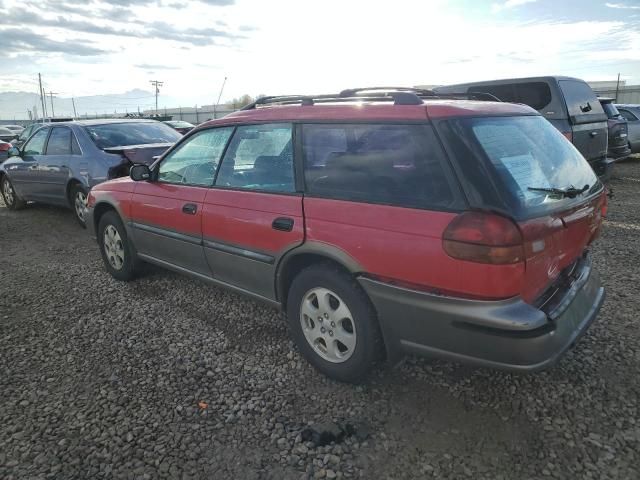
(51, 94)
(44, 110)
(215, 105)
(617, 87)
(157, 84)
(73, 102)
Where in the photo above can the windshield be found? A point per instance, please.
(120, 134)
(611, 110)
(528, 154)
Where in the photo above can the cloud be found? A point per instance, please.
(623, 6)
(22, 39)
(154, 30)
(148, 66)
(496, 7)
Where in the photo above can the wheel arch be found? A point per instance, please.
(99, 210)
(308, 254)
(70, 184)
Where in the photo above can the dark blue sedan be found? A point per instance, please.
(60, 162)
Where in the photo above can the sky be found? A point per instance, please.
(94, 47)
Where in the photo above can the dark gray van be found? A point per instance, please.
(568, 103)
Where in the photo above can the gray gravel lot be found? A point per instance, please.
(166, 377)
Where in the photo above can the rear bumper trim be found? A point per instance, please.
(508, 334)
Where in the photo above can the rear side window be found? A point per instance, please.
(259, 157)
(535, 94)
(504, 93)
(400, 165)
(59, 142)
(580, 100)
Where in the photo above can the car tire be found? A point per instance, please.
(333, 323)
(11, 199)
(117, 253)
(78, 201)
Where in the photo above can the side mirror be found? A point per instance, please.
(13, 152)
(140, 173)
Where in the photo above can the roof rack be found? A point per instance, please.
(399, 96)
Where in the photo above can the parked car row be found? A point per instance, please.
(631, 114)
(60, 162)
(382, 221)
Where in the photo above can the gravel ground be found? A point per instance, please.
(166, 377)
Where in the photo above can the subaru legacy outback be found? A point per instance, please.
(382, 221)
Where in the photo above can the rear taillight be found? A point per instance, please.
(484, 238)
(568, 136)
(5, 147)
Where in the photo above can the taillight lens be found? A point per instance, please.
(568, 136)
(4, 146)
(484, 238)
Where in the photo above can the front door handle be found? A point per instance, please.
(189, 208)
(283, 224)
(593, 134)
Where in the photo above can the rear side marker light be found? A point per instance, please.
(484, 238)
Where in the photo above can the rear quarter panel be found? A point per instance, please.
(405, 244)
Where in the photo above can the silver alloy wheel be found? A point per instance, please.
(80, 203)
(113, 248)
(7, 189)
(328, 325)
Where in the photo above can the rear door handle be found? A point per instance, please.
(593, 134)
(189, 208)
(283, 224)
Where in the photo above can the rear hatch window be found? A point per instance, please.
(535, 175)
(112, 135)
(528, 155)
(582, 103)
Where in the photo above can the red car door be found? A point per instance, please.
(253, 215)
(166, 212)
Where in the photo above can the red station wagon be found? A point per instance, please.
(383, 221)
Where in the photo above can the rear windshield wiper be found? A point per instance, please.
(570, 192)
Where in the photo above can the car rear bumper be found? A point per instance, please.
(506, 334)
(619, 153)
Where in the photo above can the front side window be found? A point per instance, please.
(194, 162)
(59, 142)
(35, 146)
(400, 165)
(259, 157)
(25, 133)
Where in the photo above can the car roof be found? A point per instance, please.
(103, 121)
(546, 78)
(354, 111)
